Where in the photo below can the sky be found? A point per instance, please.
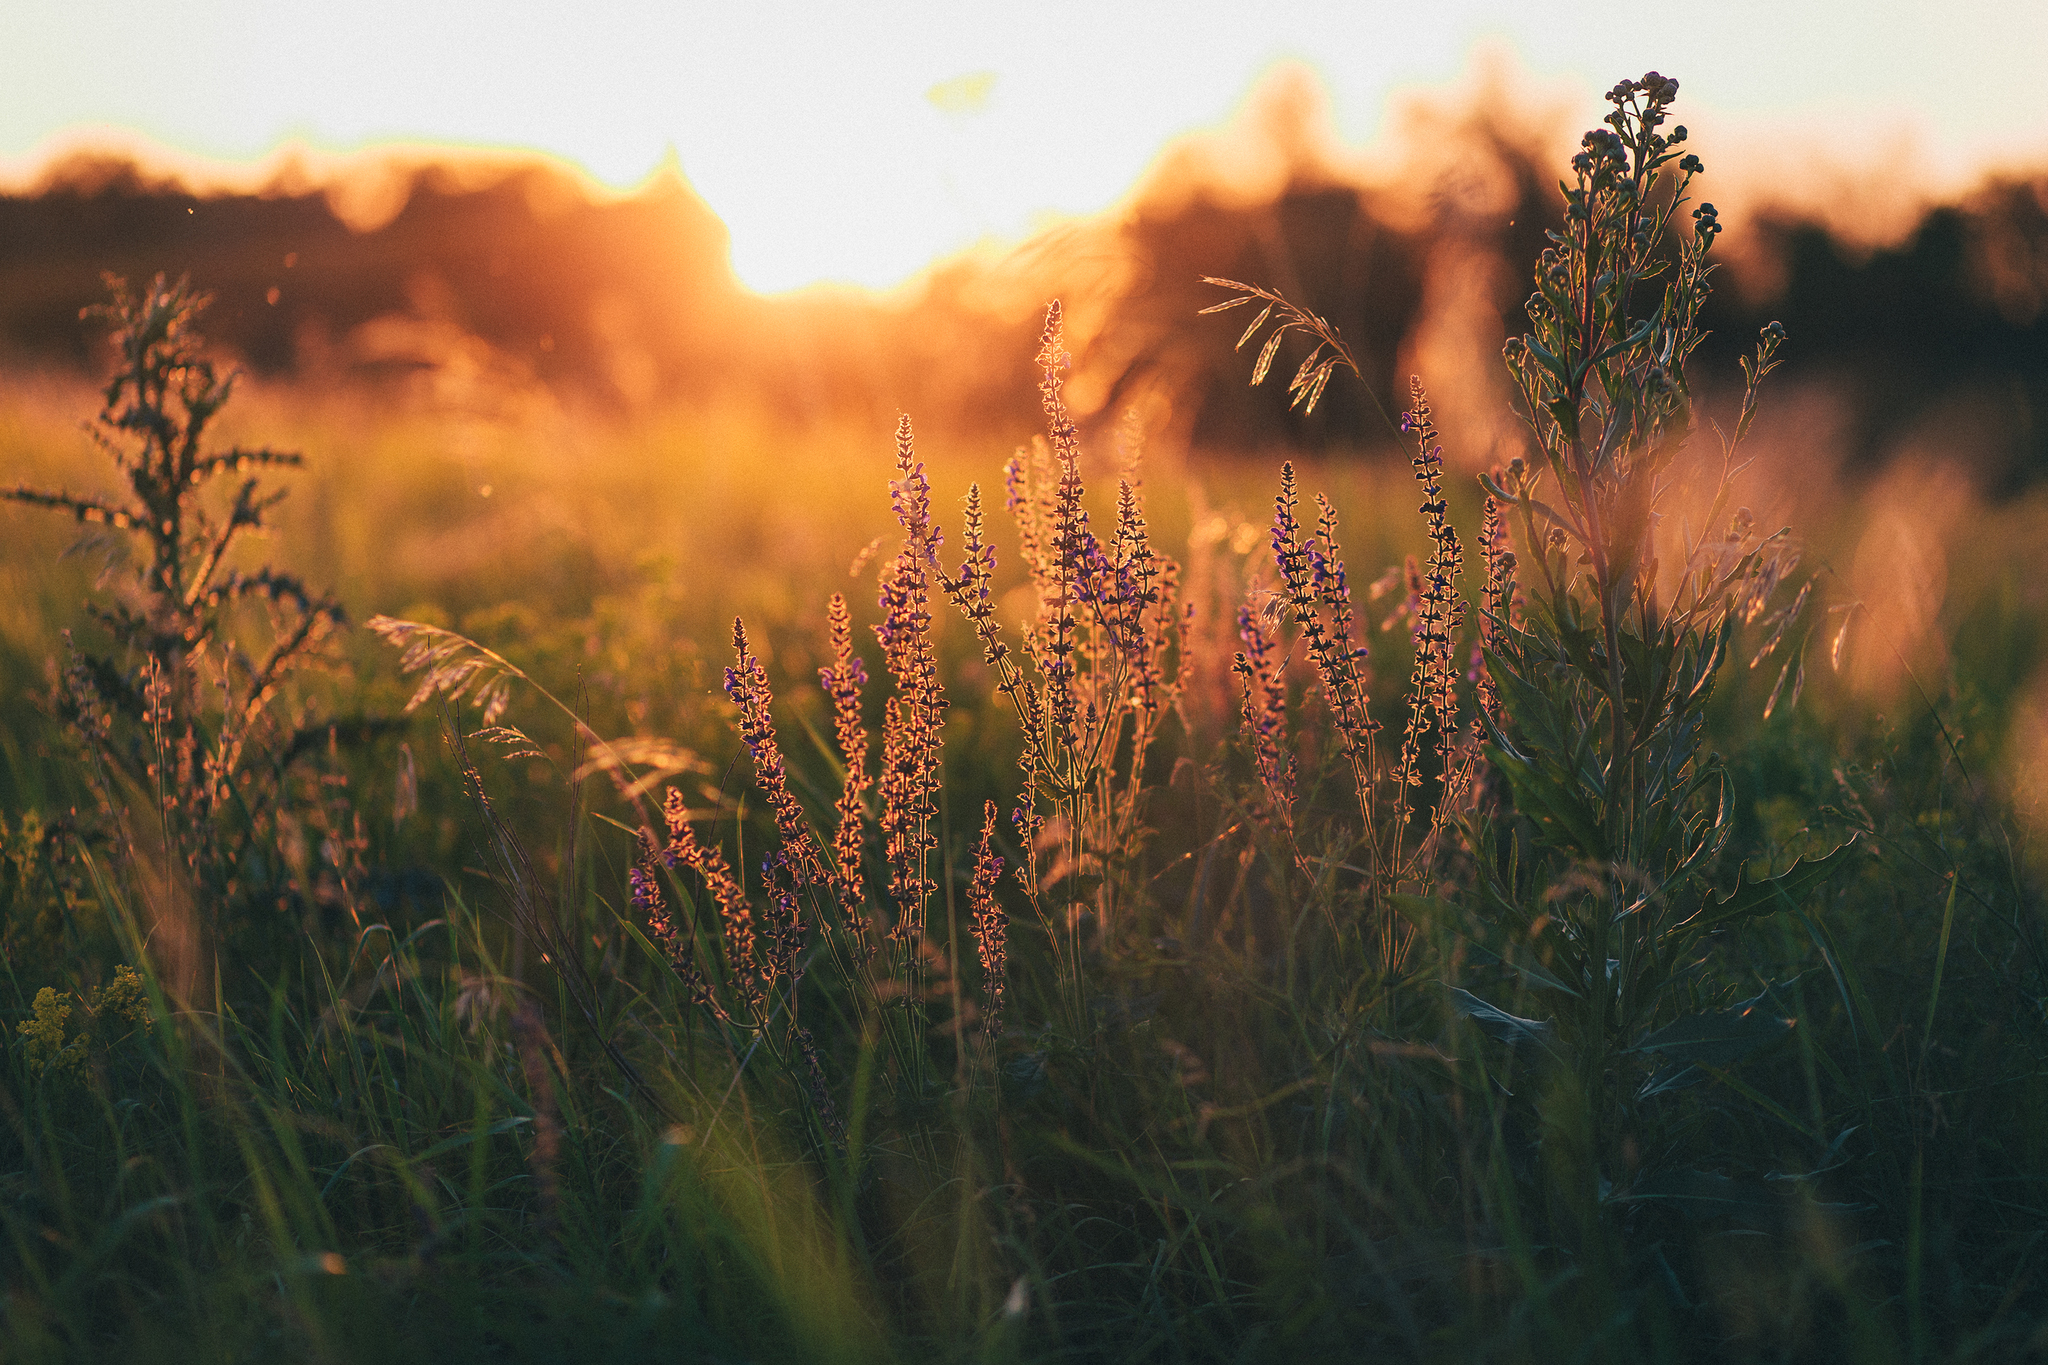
(857, 143)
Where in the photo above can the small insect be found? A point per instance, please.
(1271, 605)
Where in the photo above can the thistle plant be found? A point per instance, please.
(183, 706)
(1599, 647)
(1601, 899)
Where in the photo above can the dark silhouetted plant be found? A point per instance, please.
(182, 708)
(1597, 897)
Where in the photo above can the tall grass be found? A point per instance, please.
(1159, 961)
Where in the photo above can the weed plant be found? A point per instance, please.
(180, 725)
(1515, 978)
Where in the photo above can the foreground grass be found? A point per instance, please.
(368, 1158)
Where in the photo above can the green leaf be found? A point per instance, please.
(1702, 1194)
(1720, 1037)
(1550, 362)
(1531, 710)
(1537, 975)
(1781, 892)
(1430, 911)
(1715, 1038)
(1498, 1024)
(1566, 413)
(1548, 801)
(1642, 330)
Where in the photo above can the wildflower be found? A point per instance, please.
(783, 935)
(1264, 711)
(746, 682)
(1025, 816)
(1347, 679)
(124, 997)
(1316, 585)
(736, 915)
(677, 943)
(1073, 547)
(1433, 700)
(42, 1035)
(1707, 223)
(990, 924)
(909, 779)
(842, 683)
(1496, 599)
(970, 591)
(1147, 585)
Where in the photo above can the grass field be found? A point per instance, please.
(1549, 982)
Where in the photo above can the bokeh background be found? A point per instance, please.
(595, 329)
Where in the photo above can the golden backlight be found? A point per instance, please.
(859, 143)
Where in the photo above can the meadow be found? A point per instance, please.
(706, 886)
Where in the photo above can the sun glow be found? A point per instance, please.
(859, 145)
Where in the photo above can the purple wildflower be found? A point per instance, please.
(991, 925)
(746, 682)
(1264, 709)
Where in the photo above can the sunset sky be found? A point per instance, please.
(915, 129)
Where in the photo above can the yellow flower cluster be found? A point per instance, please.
(121, 1000)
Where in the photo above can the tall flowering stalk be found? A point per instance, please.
(185, 704)
(1399, 855)
(1098, 668)
(1498, 603)
(755, 976)
(910, 776)
(1603, 676)
(1315, 595)
(1263, 708)
(1315, 591)
(745, 975)
(1433, 698)
(678, 942)
(758, 990)
(991, 923)
(746, 683)
(842, 682)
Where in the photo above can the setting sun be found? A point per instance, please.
(917, 130)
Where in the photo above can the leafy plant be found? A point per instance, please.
(182, 712)
(109, 1014)
(1597, 898)
(1604, 890)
